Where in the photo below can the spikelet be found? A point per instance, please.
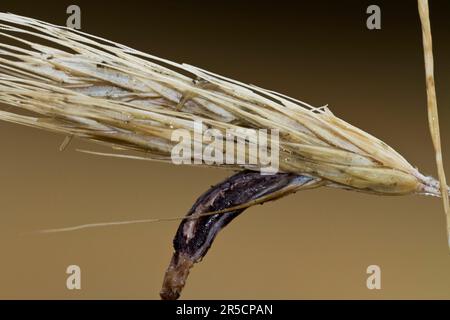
(84, 86)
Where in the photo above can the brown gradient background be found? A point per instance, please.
(315, 244)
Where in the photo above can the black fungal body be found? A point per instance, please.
(195, 236)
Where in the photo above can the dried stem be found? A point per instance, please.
(433, 118)
(84, 86)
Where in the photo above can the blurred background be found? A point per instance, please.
(312, 245)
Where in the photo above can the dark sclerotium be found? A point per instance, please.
(195, 236)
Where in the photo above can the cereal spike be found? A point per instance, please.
(87, 87)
